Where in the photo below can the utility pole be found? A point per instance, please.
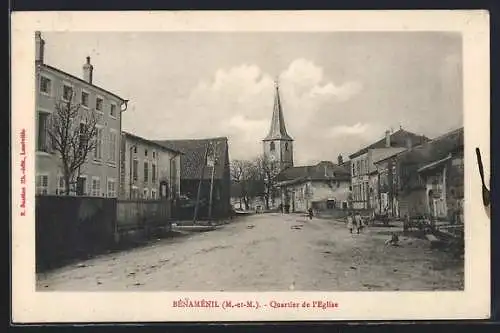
(199, 186)
(214, 162)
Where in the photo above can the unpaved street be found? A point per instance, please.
(265, 253)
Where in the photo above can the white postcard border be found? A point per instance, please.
(473, 303)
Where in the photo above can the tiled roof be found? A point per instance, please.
(139, 138)
(398, 139)
(434, 150)
(388, 152)
(324, 170)
(193, 156)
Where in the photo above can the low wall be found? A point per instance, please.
(341, 213)
(75, 227)
(69, 228)
(138, 214)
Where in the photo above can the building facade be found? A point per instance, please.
(148, 170)
(99, 175)
(321, 186)
(363, 169)
(428, 179)
(204, 169)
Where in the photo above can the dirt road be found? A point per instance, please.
(267, 252)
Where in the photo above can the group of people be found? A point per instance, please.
(355, 222)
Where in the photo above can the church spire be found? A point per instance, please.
(278, 129)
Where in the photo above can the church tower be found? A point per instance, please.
(278, 145)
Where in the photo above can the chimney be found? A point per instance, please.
(388, 139)
(87, 71)
(40, 46)
(340, 160)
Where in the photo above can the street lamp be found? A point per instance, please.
(124, 105)
(131, 170)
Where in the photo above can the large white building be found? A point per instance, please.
(99, 175)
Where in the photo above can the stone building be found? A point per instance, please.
(99, 175)
(363, 167)
(430, 178)
(148, 169)
(321, 186)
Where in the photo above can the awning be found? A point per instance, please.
(434, 164)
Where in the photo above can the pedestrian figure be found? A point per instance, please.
(310, 213)
(281, 208)
(350, 222)
(406, 224)
(394, 240)
(357, 222)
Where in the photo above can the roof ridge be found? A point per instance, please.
(82, 80)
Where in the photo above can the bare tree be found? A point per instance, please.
(73, 134)
(245, 174)
(268, 171)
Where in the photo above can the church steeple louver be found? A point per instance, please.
(278, 129)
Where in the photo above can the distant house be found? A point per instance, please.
(363, 168)
(321, 186)
(429, 178)
(148, 169)
(195, 169)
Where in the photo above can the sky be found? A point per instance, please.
(340, 91)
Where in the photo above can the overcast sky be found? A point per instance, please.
(340, 91)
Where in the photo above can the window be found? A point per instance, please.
(67, 92)
(96, 187)
(286, 146)
(60, 185)
(42, 184)
(154, 154)
(45, 85)
(81, 186)
(135, 149)
(272, 146)
(112, 110)
(145, 193)
(146, 175)
(135, 168)
(353, 169)
(85, 99)
(153, 173)
(42, 131)
(145, 152)
(112, 147)
(98, 104)
(111, 188)
(153, 194)
(98, 147)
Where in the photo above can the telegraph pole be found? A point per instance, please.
(214, 162)
(199, 186)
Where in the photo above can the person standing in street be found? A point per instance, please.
(350, 224)
(310, 213)
(358, 222)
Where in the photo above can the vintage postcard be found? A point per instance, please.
(249, 166)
